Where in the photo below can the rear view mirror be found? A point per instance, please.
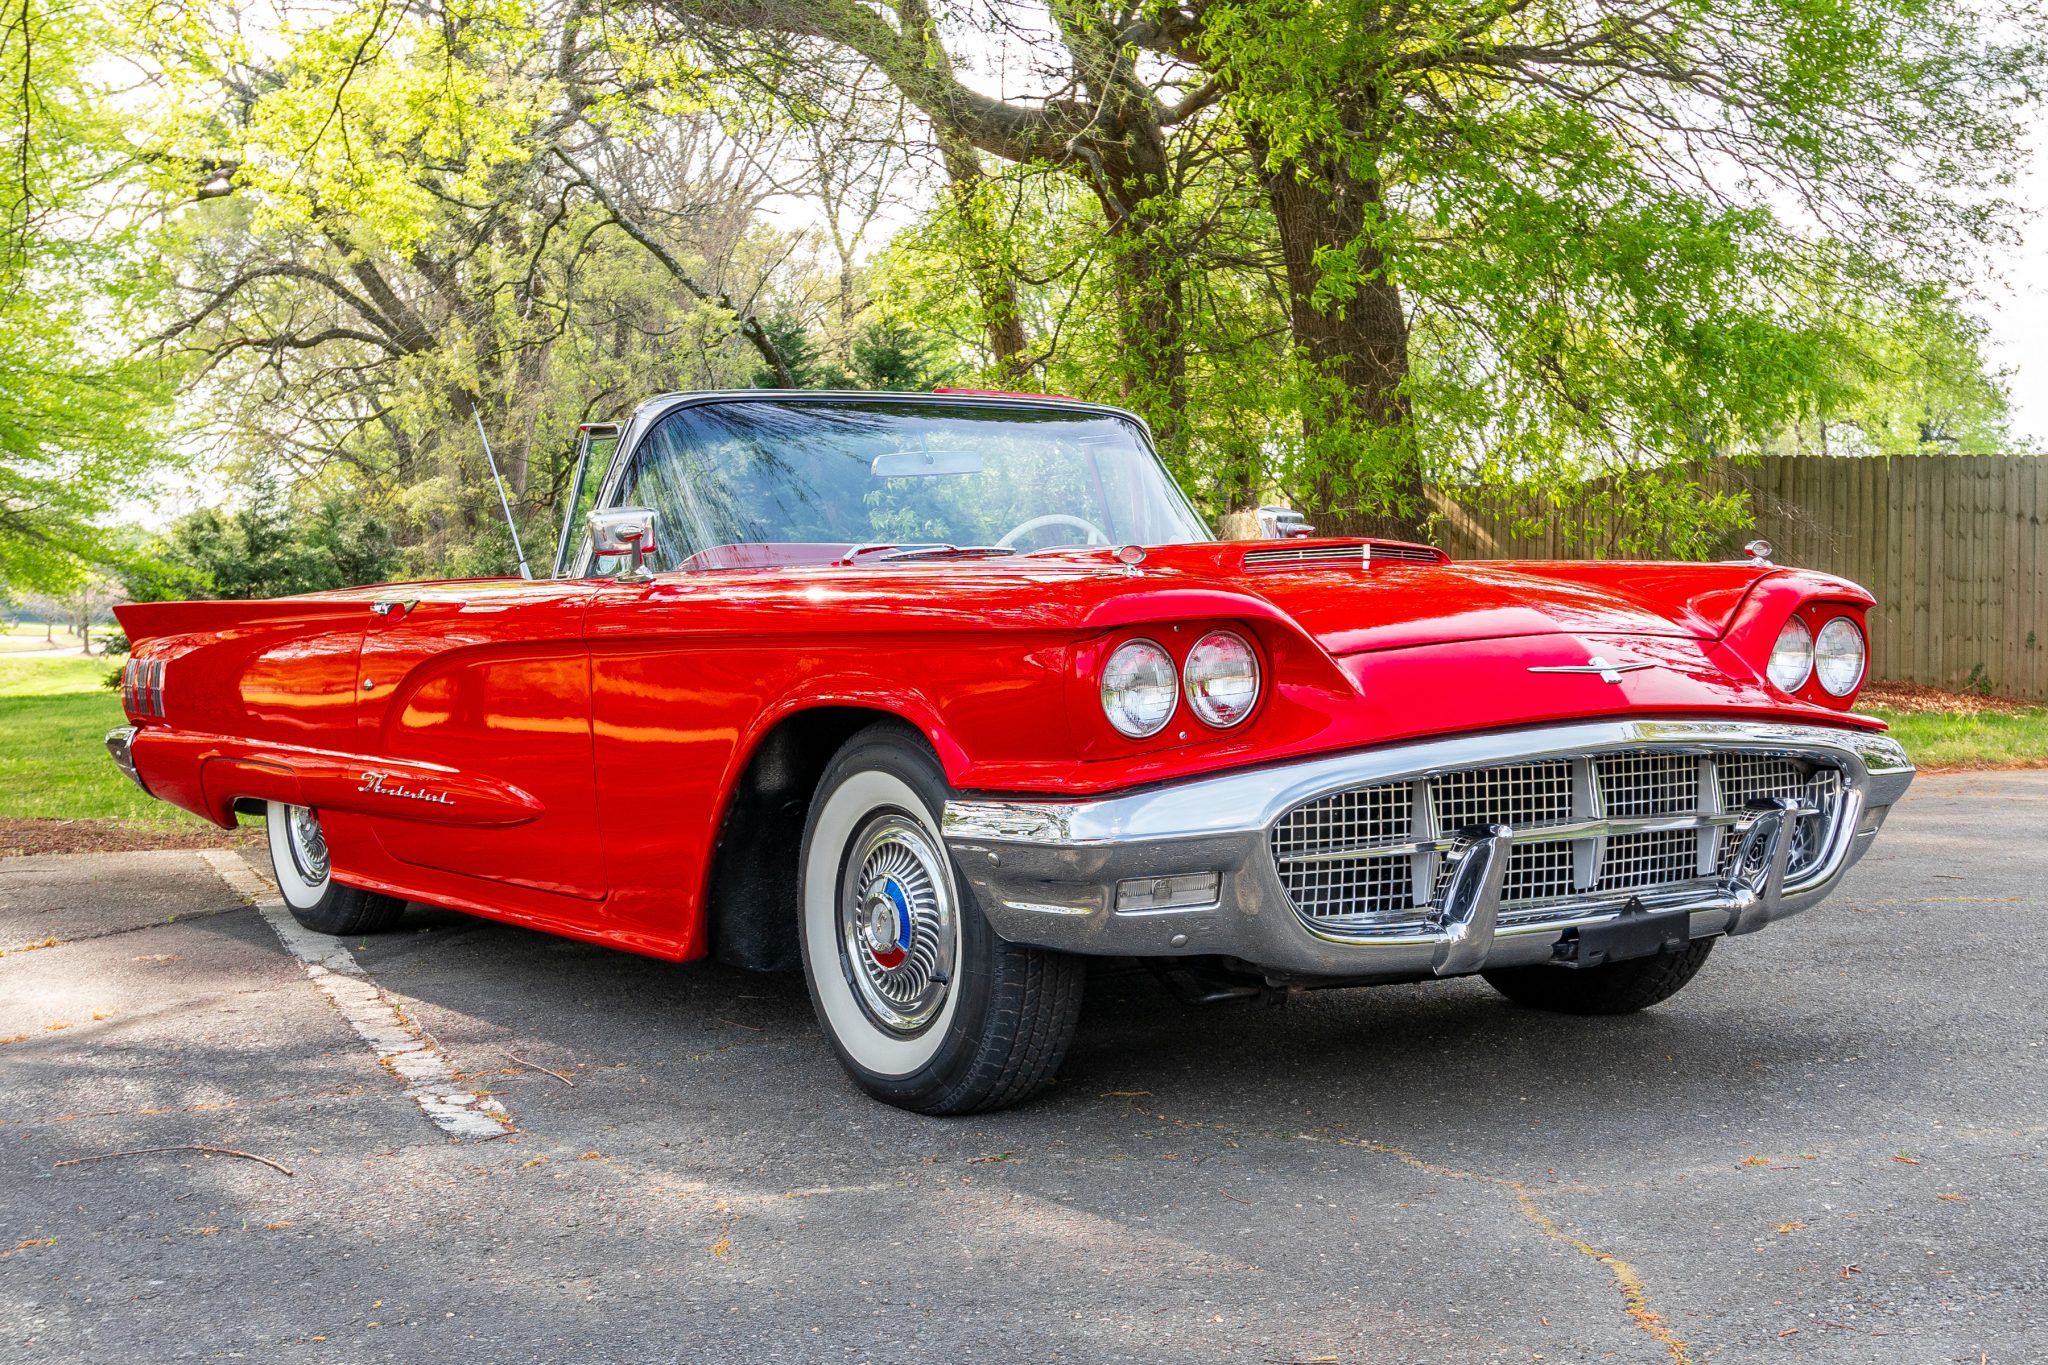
(925, 464)
(625, 531)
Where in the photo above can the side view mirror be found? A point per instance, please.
(627, 531)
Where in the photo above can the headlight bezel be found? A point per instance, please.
(1819, 673)
(1111, 710)
(1795, 625)
(1199, 703)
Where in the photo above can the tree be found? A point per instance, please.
(1619, 231)
(78, 423)
(264, 549)
(379, 226)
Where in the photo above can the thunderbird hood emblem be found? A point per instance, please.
(1609, 672)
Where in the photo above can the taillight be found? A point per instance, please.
(142, 688)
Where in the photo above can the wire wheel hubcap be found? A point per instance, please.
(308, 845)
(898, 927)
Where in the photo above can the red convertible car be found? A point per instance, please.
(938, 696)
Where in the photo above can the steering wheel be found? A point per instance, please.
(1095, 534)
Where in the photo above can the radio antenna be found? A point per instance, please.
(525, 570)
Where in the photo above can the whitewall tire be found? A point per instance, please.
(305, 878)
(925, 1006)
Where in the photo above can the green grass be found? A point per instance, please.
(54, 718)
(1980, 739)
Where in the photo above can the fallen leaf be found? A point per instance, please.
(591, 1156)
(279, 1226)
(204, 1232)
(54, 1025)
(1787, 1228)
(1756, 1161)
(988, 1159)
(102, 1014)
(35, 1242)
(1905, 1160)
(1953, 1198)
(16, 1038)
(536, 1161)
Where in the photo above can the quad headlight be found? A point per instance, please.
(1792, 657)
(1139, 688)
(1839, 656)
(1221, 679)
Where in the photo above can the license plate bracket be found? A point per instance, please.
(1636, 932)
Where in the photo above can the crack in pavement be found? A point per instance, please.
(54, 942)
(1634, 1296)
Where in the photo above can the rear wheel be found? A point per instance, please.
(298, 856)
(925, 1006)
(1612, 988)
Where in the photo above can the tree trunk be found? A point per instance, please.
(994, 286)
(1132, 183)
(1360, 437)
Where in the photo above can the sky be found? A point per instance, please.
(2015, 306)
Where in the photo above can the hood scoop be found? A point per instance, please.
(1341, 554)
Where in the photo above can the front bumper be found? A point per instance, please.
(1047, 873)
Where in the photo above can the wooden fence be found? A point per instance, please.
(1954, 546)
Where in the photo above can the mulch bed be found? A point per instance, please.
(1919, 697)
(19, 838)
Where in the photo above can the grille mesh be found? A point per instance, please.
(1544, 878)
(1636, 786)
(1351, 886)
(1518, 795)
(1354, 819)
(1749, 777)
(1657, 858)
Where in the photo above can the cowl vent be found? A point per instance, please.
(1342, 554)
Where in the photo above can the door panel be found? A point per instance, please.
(484, 687)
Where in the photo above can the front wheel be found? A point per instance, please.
(298, 857)
(926, 1006)
(1611, 988)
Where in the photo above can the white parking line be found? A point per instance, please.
(401, 1045)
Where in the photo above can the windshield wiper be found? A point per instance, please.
(890, 550)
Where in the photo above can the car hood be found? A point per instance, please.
(1396, 604)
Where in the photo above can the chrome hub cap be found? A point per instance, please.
(898, 925)
(308, 845)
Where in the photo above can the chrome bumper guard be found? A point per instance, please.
(121, 744)
(1049, 873)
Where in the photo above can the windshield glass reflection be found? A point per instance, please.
(743, 483)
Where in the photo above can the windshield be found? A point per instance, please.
(781, 481)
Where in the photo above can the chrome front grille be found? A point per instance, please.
(1378, 858)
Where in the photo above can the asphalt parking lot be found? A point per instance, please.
(1829, 1147)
